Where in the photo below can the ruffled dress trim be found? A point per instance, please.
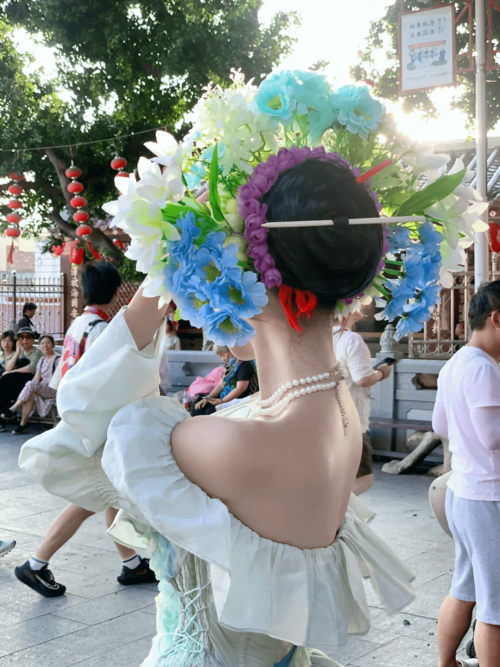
(308, 597)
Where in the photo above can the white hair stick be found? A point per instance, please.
(340, 221)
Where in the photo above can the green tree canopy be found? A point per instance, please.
(384, 72)
(122, 66)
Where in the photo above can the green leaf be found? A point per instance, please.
(392, 272)
(431, 194)
(213, 192)
(177, 315)
(382, 290)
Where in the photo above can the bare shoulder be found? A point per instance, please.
(210, 451)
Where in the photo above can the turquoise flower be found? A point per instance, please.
(310, 89)
(275, 97)
(321, 117)
(358, 111)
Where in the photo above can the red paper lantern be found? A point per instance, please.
(76, 254)
(78, 201)
(118, 163)
(14, 176)
(75, 186)
(73, 172)
(14, 218)
(125, 174)
(14, 204)
(119, 244)
(13, 232)
(84, 230)
(15, 189)
(81, 216)
(494, 237)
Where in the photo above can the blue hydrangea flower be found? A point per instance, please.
(226, 327)
(399, 239)
(412, 322)
(431, 239)
(247, 295)
(400, 293)
(358, 111)
(275, 97)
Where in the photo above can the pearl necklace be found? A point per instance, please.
(309, 385)
(312, 380)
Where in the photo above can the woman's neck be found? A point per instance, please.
(282, 355)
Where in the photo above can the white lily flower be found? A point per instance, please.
(422, 158)
(121, 206)
(166, 144)
(452, 260)
(154, 286)
(157, 188)
(147, 246)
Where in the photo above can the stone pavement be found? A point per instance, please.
(99, 623)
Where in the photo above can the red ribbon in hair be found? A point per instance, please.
(305, 301)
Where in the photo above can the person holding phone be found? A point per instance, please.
(353, 352)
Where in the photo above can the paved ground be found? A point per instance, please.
(99, 623)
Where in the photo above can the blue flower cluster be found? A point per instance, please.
(309, 93)
(209, 287)
(420, 282)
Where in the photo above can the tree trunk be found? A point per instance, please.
(445, 467)
(428, 444)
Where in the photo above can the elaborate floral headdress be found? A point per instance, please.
(197, 225)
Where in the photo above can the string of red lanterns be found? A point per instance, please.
(78, 202)
(15, 189)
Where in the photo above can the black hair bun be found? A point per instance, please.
(335, 262)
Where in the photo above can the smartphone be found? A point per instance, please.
(388, 360)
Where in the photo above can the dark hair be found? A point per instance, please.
(170, 325)
(100, 280)
(335, 262)
(483, 303)
(8, 334)
(29, 306)
(47, 336)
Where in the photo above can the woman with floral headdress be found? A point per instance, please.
(258, 544)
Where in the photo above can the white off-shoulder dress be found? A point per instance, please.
(228, 597)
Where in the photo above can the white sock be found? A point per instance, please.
(37, 564)
(132, 562)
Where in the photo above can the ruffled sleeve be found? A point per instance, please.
(112, 374)
(307, 597)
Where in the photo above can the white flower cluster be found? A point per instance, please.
(138, 209)
(230, 117)
(460, 212)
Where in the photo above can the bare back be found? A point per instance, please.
(288, 478)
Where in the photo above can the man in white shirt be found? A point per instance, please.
(467, 412)
(353, 352)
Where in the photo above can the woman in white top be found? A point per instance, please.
(248, 514)
(353, 352)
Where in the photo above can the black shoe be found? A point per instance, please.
(21, 430)
(142, 574)
(8, 415)
(42, 581)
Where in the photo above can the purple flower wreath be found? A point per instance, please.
(254, 213)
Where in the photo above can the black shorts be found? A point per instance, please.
(366, 465)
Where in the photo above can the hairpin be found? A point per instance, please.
(343, 220)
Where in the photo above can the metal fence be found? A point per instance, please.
(46, 291)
